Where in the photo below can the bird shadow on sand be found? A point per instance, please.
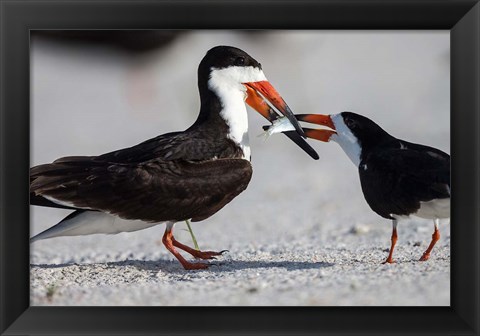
(172, 266)
(229, 266)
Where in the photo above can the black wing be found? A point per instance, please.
(395, 181)
(152, 191)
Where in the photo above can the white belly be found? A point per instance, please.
(438, 208)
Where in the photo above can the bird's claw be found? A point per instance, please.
(206, 254)
(389, 261)
(424, 257)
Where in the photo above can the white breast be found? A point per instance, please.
(227, 84)
(345, 138)
(234, 113)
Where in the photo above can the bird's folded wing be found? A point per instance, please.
(154, 190)
(408, 177)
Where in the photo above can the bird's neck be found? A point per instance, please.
(223, 109)
(351, 147)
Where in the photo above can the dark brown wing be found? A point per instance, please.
(152, 191)
(197, 144)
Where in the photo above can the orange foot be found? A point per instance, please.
(389, 261)
(170, 243)
(205, 254)
(425, 257)
(196, 253)
(435, 238)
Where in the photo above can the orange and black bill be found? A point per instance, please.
(261, 93)
(319, 134)
(293, 135)
(258, 101)
(319, 119)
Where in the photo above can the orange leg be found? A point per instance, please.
(168, 241)
(435, 238)
(394, 241)
(196, 253)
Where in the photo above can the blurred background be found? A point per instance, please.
(97, 91)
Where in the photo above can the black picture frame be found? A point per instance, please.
(18, 17)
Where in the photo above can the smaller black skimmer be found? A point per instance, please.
(175, 176)
(398, 178)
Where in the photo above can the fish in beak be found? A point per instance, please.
(264, 99)
(265, 93)
(280, 126)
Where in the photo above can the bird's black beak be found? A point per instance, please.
(259, 95)
(319, 119)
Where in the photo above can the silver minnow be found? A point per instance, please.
(282, 124)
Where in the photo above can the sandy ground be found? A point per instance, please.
(301, 234)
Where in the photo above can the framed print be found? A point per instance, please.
(121, 96)
(99, 76)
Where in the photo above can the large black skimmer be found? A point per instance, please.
(398, 178)
(172, 177)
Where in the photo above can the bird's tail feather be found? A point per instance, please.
(86, 222)
(66, 227)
